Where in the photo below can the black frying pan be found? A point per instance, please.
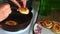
(22, 19)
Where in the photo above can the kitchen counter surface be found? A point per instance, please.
(55, 16)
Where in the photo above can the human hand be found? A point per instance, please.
(23, 1)
(5, 10)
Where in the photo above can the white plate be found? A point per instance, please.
(43, 30)
(46, 31)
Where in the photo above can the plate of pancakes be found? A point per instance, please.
(48, 27)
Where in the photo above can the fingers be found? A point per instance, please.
(14, 1)
(24, 3)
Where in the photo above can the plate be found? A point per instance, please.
(41, 30)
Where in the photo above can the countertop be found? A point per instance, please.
(54, 15)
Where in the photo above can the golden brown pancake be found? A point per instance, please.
(10, 22)
(47, 23)
(23, 10)
(0, 25)
(56, 28)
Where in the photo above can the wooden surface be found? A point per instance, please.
(55, 16)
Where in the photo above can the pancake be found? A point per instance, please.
(11, 23)
(0, 25)
(56, 28)
(47, 23)
(23, 10)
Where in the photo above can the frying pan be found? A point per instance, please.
(22, 20)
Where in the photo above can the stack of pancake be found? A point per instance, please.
(52, 25)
